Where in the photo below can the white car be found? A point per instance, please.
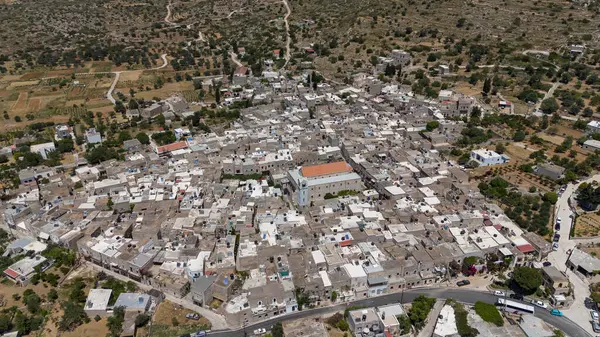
(260, 331)
(555, 246)
(539, 304)
(558, 220)
(499, 293)
(595, 315)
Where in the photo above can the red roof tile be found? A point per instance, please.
(11, 273)
(171, 147)
(526, 248)
(325, 169)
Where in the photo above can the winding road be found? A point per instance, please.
(235, 59)
(118, 74)
(466, 296)
(287, 33)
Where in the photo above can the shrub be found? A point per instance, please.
(462, 325)
(489, 313)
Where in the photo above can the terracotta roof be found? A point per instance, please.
(324, 169)
(171, 147)
(11, 273)
(526, 248)
(345, 243)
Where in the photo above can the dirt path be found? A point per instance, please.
(287, 33)
(118, 74)
(168, 17)
(235, 59)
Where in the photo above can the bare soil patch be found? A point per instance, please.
(587, 224)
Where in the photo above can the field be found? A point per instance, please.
(168, 313)
(587, 224)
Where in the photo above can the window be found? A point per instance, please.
(259, 302)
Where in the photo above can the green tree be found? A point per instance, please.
(527, 278)
(549, 105)
(141, 320)
(487, 85)
(123, 136)
(405, 324)
(432, 125)
(115, 322)
(551, 197)
(343, 325)
(73, 316)
(277, 330)
(143, 138)
(519, 136)
(5, 323)
(419, 311)
(334, 296)
(52, 295)
(500, 148)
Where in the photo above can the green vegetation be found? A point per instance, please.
(118, 287)
(419, 311)
(489, 313)
(405, 324)
(253, 176)
(340, 194)
(528, 211)
(528, 279)
(462, 325)
(73, 316)
(164, 138)
(588, 197)
(115, 322)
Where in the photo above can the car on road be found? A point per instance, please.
(558, 220)
(556, 237)
(557, 226)
(260, 331)
(555, 246)
(499, 293)
(556, 312)
(547, 264)
(463, 283)
(516, 296)
(594, 315)
(539, 304)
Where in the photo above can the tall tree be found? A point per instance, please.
(487, 85)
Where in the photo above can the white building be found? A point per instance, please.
(593, 127)
(93, 136)
(591, 145)
(487, 157)
(446, 323)
(97, 302)
(43, 149)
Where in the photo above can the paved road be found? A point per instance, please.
(577, 312)
(466, 296)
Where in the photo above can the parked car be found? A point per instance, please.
(558, 220)
(517, 296)
(556, 237)
(596, 326)
(192, 315)
(594, 315)
(499, 293)
(260, 331)
(557, 226)
(556, 312)
(547, 264)
(463, 283)
(555, 246)
(539, 304)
